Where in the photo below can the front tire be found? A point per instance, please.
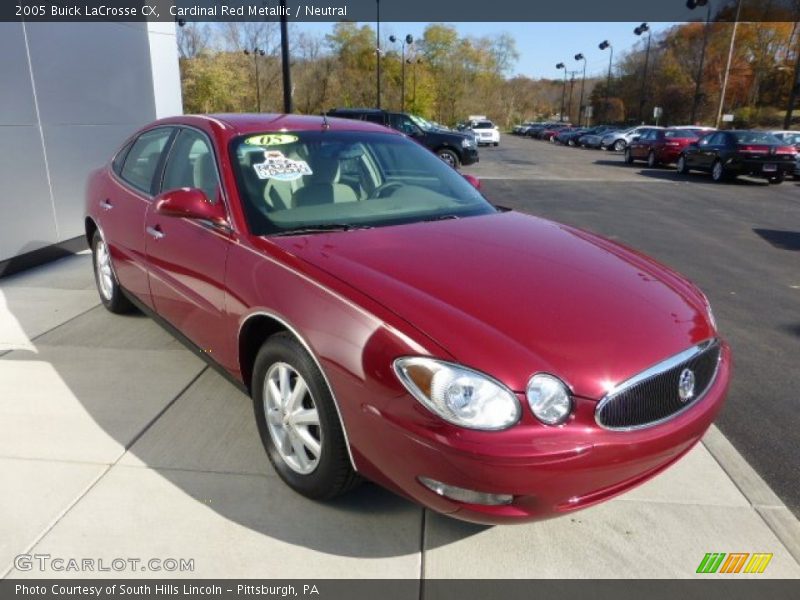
(111, 294)
(628, 156)
(652, 161)
(619, 145)
(298, 421)
(448, 156)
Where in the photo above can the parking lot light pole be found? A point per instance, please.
(256, 53)
(641, 30)
(580, 57)
(691, 5)
(571, 89)
(406, 41)
(603, 46)
(563, 91)
(728, 66)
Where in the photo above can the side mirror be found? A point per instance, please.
(189, 203)
(473, 181)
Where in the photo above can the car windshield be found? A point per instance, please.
(484, 125)
(755, 137)
(422, 123)
(323, 180)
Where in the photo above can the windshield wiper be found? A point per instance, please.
(440, 218)
(322, 228)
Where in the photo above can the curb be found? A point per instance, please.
(764, 501)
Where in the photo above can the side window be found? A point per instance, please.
(143, 158)
(120, 158)
(402, 123)
(191, 164)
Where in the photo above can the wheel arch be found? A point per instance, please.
(256, 328)
(90, 227)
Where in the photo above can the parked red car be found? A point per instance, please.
(391, 324)
(660, 146)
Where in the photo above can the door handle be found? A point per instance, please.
(156, 232)
(106, 204)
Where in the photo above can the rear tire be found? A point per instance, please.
(683, 168)
(778, 179)
(652, 161)
(718, 173)
(111, 294)
(330, 473)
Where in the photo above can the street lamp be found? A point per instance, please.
(603, 46)
(579, 57)
(641, 30)
(563, 91)
(378, 55)
(408, 40)
(691, 5)
(728, 66)
(256, 52)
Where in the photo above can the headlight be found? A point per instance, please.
(549, 399)
(467, 143)
(459, 395)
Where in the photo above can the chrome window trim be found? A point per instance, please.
(655, 370)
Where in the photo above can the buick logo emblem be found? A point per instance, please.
(686, 385)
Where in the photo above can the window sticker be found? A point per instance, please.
(277, 166)
(271, 139)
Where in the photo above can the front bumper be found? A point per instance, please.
(469, 156)
(548, 470)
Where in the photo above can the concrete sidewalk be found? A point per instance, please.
(116, 442)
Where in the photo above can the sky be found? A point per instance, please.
(540, 45)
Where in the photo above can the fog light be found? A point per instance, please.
(467, 496)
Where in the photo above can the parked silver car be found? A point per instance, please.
(619, 140)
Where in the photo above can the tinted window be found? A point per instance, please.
(403, 123)
(191, 164)
(755, 137)
(143, 157)
(484, 125)
(681, 134)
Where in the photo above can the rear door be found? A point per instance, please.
(187, 257)
(123, 208)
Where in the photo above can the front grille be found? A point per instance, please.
(653, 396)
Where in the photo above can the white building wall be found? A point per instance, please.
(70, 93)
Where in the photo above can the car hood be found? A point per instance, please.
(512, 295)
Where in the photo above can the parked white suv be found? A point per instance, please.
(486, 132)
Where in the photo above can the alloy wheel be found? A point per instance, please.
(717, 172)
(292, 418)
(102, 265)
(619, 146)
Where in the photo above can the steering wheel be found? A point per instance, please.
(385, 189)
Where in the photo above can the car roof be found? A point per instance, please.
(234, 124)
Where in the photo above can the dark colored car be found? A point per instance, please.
(660, 146)
(454, 148)
(726, 154)
(569, 137)
(391, 324)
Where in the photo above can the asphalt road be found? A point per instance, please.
(740, 242)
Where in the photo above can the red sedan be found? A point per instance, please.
(660, 146)
(391, 324)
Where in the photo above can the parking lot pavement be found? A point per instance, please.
(740, 242)
(116, 442)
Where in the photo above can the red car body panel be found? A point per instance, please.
(506, 294)
(667, 150)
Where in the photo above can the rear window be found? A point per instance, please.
(755, 137)
(682, 134)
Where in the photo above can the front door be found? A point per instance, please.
(187, 258)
